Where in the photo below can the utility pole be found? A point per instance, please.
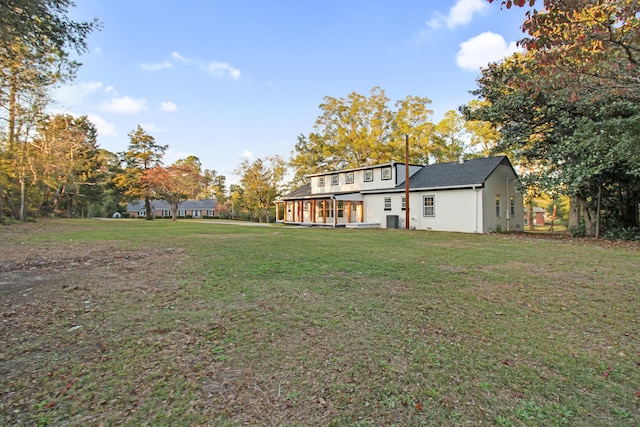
(406, 181)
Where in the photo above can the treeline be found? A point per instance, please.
(565, 110)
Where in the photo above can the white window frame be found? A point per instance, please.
(429, 210)
(404, 203)
(387, 203)
(335, 180)
(321, 181)
(498, 206)
(386, 173)
(368, 175)
(348, 178)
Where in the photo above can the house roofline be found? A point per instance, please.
(382, 165)
(446, 187)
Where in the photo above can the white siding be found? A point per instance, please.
(455, 210)
(497, 184)
(358, 182)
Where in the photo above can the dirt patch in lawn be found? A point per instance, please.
(56, 317)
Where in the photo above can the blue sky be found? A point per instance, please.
(223, 80)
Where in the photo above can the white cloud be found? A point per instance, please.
(436, 22)
(168, 106)
(125, 104)
(104, 127)
(220, 69)
(176, 55)
(156, 66)
(480, 50)
(247, 154)
(460, 13)
(75, 94)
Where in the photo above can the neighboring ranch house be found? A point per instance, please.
(472, 196)
(538, 216)
(161, 208)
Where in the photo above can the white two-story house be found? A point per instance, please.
(475, 196)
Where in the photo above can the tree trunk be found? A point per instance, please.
(22, 200)
(147, 208)
(531, 219)
(574, 211)
(587, 217)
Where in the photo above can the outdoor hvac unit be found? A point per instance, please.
(392, 221)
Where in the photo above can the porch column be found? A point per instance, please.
(361, 213)
(324, 211)
(313, 211)
(349, 211)
(300, 212)
(277, 211)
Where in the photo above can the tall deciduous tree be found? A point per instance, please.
(585, 147)
(36, 39)
(175, 183)
(591, 48)
(450, 139)
(63, 162)
(359, 130)
(261, 182)
(143, 154)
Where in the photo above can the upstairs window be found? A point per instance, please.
(348, 178)
(386, 173)
(321, 181)
(334, 179)
(368, 175)
(404, 203)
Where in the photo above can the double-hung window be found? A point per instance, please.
(498, 206)
(429, 203)
(348, 178)
(368, 175)
(387, 203)
(334, 179)
(386, 173)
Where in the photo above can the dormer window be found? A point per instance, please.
(348, 178)
(386, 173)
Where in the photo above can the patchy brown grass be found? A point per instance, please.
(154, 323)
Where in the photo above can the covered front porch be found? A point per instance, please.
(332, 210)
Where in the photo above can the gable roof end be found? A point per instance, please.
(455, 174)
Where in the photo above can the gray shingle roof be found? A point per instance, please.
(304, 191)
(455, 174)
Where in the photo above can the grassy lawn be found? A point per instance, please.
(193, 323)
